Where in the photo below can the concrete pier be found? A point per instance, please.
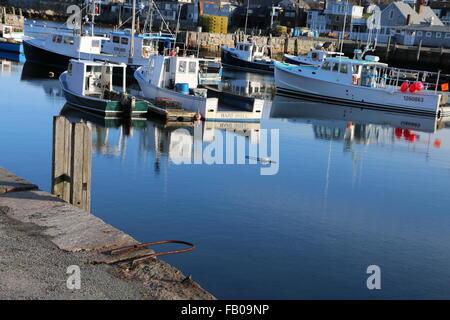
(42, 235)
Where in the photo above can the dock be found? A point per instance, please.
(170, 110)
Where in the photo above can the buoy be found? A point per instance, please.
(406, 133)
(412, 138)
(437, 143)
(412, 88)
(349, 124)
(404, 87)
(398, 132)
(419, 86)
(198, 117)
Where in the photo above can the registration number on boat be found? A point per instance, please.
(415, 99)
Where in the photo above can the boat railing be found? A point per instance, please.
(394, 77)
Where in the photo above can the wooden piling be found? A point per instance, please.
(72, 157)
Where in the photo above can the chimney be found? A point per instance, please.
(408, 20)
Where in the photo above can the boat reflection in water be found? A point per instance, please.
(178, 142)
(42, 76)
(354, 125)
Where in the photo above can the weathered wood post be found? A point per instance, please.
(81, 165)
(61, 186)
(72, 157)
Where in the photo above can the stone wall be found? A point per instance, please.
(210, 43)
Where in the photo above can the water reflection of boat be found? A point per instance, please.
(12, 56)
(40, 76)
(242, 93)
(284, 107)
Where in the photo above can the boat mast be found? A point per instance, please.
(133, 29)
(246, 17)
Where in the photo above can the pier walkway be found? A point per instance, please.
(41, 236)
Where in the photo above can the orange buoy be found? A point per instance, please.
(437, 143)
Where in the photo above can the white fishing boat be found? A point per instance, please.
(363, 83)
(175, 78)
(89, 85)
(314, 57)
(247, 56)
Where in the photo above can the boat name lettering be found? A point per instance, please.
(415, 99)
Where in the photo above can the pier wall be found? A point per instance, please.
(210, 43)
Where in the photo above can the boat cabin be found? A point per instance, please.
(145, 45)
(249, 51)
(351, 71)
(68, 43)
(167, 71)
(93, 78)
(320, 55)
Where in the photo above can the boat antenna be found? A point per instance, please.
(133, 30)
(246, 17)
(343, 28)
(373, 23)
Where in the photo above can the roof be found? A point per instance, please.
(426, 13)
(355, 61)
(99, 63)
(421, 27)
(145, 36)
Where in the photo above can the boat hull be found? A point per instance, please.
(39, 55)
(188, 102)
(101, 106)
(15, 47)
(229, 60)
(297, 60)
(291, 84)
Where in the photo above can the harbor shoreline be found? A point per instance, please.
(42, 236)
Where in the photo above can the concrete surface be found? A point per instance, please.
(41, 235)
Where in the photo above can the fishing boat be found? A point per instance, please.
(247, 56)
(11, 39)
(175, 78)
(363, 82)
(89, 85)
(314, 57)
(11, 31)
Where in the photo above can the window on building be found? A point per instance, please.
(391, 14)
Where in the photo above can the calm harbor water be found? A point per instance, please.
(352, 190)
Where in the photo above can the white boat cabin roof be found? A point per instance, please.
(91, 78)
